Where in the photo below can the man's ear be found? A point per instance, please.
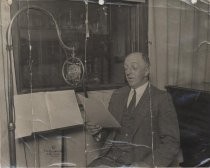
(146, 71)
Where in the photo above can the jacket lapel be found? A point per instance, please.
(122, 103)
(142, 108)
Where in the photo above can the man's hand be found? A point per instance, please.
(92, 128)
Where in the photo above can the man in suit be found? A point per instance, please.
(149, 133)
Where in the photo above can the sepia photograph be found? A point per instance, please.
(104, 83)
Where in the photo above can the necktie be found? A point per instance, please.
(132, 104)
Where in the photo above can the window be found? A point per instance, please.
(115, 29)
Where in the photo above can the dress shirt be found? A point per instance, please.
(139, 92)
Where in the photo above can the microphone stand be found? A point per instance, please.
(10, 94)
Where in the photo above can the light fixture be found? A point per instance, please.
(101, 2)
(194, 1)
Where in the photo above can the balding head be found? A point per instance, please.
(139, 54)
(136, 69)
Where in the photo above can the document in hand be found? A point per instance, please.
(44, 111)
(97, 113)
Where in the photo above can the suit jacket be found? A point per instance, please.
(165, 142)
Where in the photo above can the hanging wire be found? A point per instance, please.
(30, 64)
(87, 34)
(151, 122)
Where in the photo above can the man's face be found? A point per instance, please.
(136, 70)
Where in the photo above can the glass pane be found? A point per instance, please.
(101, 35)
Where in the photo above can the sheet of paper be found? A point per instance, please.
(43, 111)
(41, 121)
(63, 109)
(97, 113)
(23, 111)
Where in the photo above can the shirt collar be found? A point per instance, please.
(140, 89)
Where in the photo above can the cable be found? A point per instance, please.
(152, 132)
(85, 77)
(87, 35)
(31, 83)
